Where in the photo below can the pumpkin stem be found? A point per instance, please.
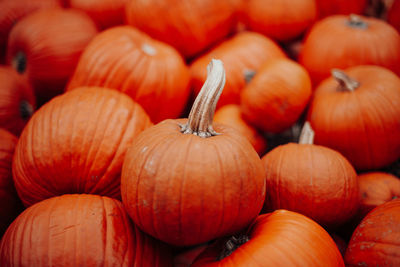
(307, 134)
(356, 21)
(25, 109)
(19, 62)
(345, 82)
(248, 75)
(201, 115)
(231, 245)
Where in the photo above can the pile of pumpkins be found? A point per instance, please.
(199, 133)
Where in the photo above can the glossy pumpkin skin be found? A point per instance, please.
(190, 26)
(332, 43)
(364, 124)
(375, 242)
(170, 179)
(244, 52)
(276, 96)
(313, 180)
(331, 7)
(281, 20)
(17, 101)
(79, 230)
(76, 143)
(231, 116)
(46, 46)
(150, 72)
(280, 238)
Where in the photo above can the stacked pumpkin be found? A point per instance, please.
(109, 173)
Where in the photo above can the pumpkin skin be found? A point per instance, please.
(231, 116)
(393, 16)
(244, 52)
(375, 242)
(331, 7)
(333, 43)
(17, 101)
(362, 124)
(276, 96)
(313, 180)
(76, 143)
(190, 26)
(150, 72)
(79, 230)
(281, 20)
(8, 195)
(280, 238)
(46, 46)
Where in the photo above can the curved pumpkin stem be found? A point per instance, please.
(356, 21)
(232, 244)
(202, 112)
(307, 134)
(344, 80)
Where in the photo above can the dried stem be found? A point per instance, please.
(345, 82)
(356, 21)
(307, 134)
(232, 244)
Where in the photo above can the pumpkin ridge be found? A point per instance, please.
(126, 86)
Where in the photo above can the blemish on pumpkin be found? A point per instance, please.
(149, 50)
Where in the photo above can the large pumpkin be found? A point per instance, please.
(190, 26)
(280, 238)
(76, 144)
(356, 112)
(150, 72)
(243, 54)
(17, 101)
(343, 41)
(393, 16)
(46, 46)
(331, 7)
(188, 181)
(79, 230)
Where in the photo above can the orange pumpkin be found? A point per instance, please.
(17, 101)
(76, 143)
(331, 7)
(276, 96)
(343, 41)
(393, 15)
(190, 26)
(357, 113)
(79, 230)
(189, 181)
(46, 46)
(150, 72)
(242, 55)
(282, 20)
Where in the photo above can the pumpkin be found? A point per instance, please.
(13, 10)
(356, 112)
(17, 101)
(376, 188)
(188, 181)
(106, 13)
(76, 143)
(276, 96)
(393, 15)
(313, 180)
(331, 7)
(231, 116)
(190, 26)
(280, 238)
(46, 45)
(151, 72)
(282, 20)
(79, 230)
(243, 54)
(375, 242)
(185, 258)
(8, 195)
(344, 41)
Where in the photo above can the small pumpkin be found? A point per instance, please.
(17, 101)
(356, 112)
(281, 20)
(189, 181)
(342, 41)
(46, 45)
(280, 238)
(76, 143)
(150, 72)
(375, 242)
(276, 96)
(326, 8)
(243, 55)
(79, 230)
(313, 180)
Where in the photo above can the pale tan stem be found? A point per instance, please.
(356, 21)
(202, 112)
(345, 82)
(307, 134)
